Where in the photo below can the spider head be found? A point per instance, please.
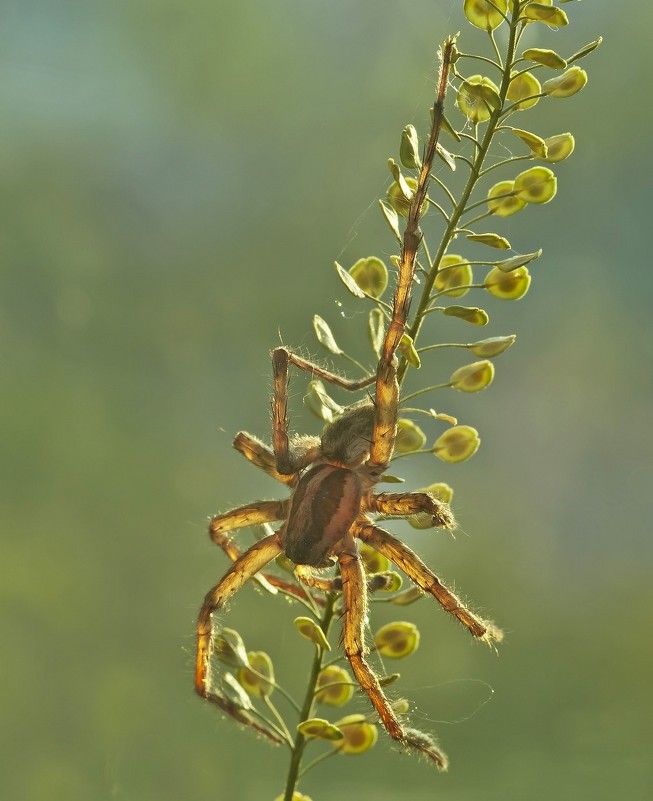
(346, 440)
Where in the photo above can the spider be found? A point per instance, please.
(332, 502)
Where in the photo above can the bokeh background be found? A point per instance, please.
(176, 179)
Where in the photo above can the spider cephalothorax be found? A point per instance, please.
(332, 503)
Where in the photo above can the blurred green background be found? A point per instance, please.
(177, 177)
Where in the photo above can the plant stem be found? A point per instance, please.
(309, 700)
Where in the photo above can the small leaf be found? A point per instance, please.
(567, 84)
(397, 640)
(371, 275)
(508, 265)
(470, 314)
(308, 628)
(386, 478)
(410, 437)
(585, 51)
(407, 350)
(375, 328)
(320, 729)
(409, 148)
(549, 58)
(491, 240)
(492, 346)
(508, 286)
(457, 444)
(391, 218)
(324, 335)
(348, 281)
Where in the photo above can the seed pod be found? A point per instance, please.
(454, 280)
(457, 444)
(567, 84)
(502, 199)
(508, 286)
(397, 640)
(473, 377)
(537, 185)
(261, 685)
(484, 15)
(358, 735)
(478, 97)
(410, 437)
(524, 89)
(334, 686)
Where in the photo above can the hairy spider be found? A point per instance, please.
(332, 502)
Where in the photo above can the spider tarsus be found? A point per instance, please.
(427, 746)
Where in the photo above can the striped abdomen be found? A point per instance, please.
(323, 507)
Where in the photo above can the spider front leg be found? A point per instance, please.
(253, 560)
(408, 561)
(287, 460)
(404, 504)
(354, 595)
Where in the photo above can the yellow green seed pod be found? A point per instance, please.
(537, 185)
(410, 437)
(559, 147)
(491, 240)
(454, 280)
(508, 286)
(548, 58)
(409, 148)
(502, 200)
(473, 377)
(373, 561)
(470, 314)
(522, 89)
(229, 648)
(397, 199)
(295, 797)
(397, 640)
(478, 97)
(358, 735)
(484, 15)
(321, 729)
(567, 84)
(535, 142)
(308, 628)
(334, 686)
(492, 346)
(371, 275)
(457, 444)
(545, 12)
(257, 685)
(408, 350)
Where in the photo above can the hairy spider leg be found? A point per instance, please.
(282, 358)
(261, 455)
(306, 574)
(408, 561)
(403, 504)
(243, 569)
(354, 592)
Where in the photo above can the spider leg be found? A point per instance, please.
(286, 461)
(306, 574)
(241, 571)
(354, 593)
(402, 556)
(261, 455)
(403, 504)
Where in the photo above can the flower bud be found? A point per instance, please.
(537, 185)
(371, 275)
(523, 89)
(409, 148)
(254, 684)
(457, 444)
(454, 280)
(473, 377)
(320, 729)
(548, 58)
(358, 735)
(410, 437)
(397, 640)
(490, 347)
(478, 97)
(334, 686)
(470, 314)
(484, 15)
(567, 84)
(508, 286)
(502, 200)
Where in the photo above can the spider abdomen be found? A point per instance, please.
(323, 507)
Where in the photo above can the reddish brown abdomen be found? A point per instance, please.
(323, 507)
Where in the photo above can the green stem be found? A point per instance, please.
(309, 700)
(474, 175)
